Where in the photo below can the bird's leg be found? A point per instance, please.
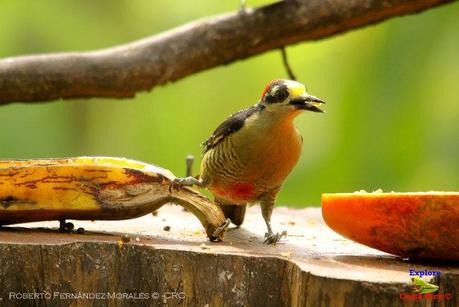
(178, 183)
(267, 205)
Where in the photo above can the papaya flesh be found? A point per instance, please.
(414, 225)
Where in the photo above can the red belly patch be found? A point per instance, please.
(242, 190)
(238, 191)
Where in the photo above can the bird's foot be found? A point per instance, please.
(273, 238)
(178, 183)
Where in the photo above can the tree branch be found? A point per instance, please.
(287, 66)
(122, 71)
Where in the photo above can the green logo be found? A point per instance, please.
(423, 286)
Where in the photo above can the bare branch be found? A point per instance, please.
(287, 66)
(122, 71)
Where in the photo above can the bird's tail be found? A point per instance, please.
(236, 213)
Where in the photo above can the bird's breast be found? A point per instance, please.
(252, 162)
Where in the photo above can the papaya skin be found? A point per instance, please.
(414, 225)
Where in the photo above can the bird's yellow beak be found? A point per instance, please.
(307, 102)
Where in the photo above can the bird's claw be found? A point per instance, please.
(177, 184)
(273, 238)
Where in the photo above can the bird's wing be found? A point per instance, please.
(230, 125)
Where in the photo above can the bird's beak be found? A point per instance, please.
(308, 102)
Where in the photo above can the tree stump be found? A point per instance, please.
(167, 260)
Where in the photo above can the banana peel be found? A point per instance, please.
(95, 188)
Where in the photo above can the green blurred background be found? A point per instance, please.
(392, 96)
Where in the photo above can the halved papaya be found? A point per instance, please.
(415, 225)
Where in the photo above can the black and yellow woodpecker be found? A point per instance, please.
(250, 154)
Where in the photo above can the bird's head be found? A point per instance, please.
(288, 97)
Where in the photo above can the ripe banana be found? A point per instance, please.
(95, 188)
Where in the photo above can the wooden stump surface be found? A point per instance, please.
(313, 266)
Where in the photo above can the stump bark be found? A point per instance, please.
(167, 260)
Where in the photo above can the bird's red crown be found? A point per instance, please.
(268, 86)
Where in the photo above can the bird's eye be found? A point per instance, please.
(281, 94)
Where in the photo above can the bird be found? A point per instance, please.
(251, 153)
